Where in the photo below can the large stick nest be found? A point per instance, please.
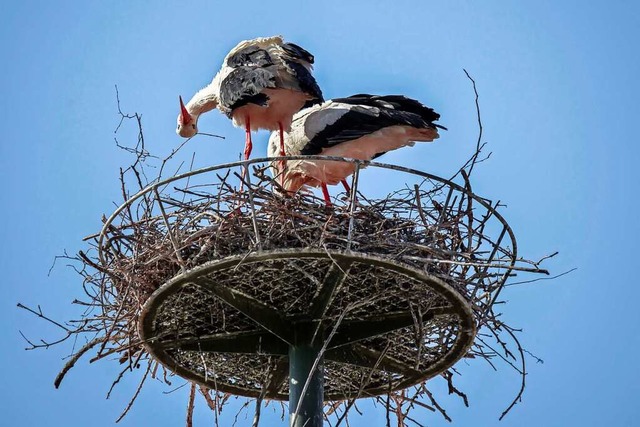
(170, 227)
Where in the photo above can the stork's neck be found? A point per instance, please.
(204, 100)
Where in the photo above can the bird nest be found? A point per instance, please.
(225, 276)
(210, 272)
(214, 273)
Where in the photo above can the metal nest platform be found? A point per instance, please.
(223, 323)
(217, 275)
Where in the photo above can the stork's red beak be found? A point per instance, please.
(186, 117)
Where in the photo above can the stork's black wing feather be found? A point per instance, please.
(244, 85)
(306, 81)
(394, 102)
(250, 56)
(297, 52)
(359, 121)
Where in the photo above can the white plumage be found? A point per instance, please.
(262, 83)
(359, 127)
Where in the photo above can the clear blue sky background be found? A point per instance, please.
(559, 92)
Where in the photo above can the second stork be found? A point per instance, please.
(359, 127)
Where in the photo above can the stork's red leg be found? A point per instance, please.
(282, 152)
(325, 194)
(348, 190)
(346, 186)
(283, 163)
(247, 144)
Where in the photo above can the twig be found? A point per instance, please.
(523, 376)
(135, 395)
(75, 358)
(541, 278)
(190, 405)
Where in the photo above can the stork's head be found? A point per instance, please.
(187, 122)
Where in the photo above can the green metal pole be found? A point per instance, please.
(302, 357)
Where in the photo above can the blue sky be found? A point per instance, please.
(559, 92)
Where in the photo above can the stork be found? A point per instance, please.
(359, 127)
(262, 83)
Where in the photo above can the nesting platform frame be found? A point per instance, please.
(276, 332)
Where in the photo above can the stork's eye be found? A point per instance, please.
(193, 125)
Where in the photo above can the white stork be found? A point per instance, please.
(262, 83)
(359, 127)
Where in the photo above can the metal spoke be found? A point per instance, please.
(263, 315)
(260, 342)
(358, 355)
(357, 330)
(329, 288)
